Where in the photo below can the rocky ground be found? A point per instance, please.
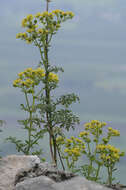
(28, 173)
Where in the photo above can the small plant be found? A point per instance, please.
(91, 143)
(28, 81)
(74, 148)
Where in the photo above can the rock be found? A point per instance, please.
(44, 183)
(36, 183)
(78, 183)
(27, 173)
(43, 169)
(10, 165)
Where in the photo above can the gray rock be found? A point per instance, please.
(10, 165)
(27, 173)
(79, 183)
(37, 183)
(44, 183)
(44, 169)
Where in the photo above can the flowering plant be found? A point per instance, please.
(91, 143)
(46, 112)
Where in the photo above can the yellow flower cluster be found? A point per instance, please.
(21, 35)
(44, 14)
(74, 148)
(113, 132)
(75, 152)
(60, 140)
(53, 77)
(29, 78)
(68, 13)
(24, 36)
(95, 127)
(20, 83)
(83, 134)
(109, 153)
(94, 124)
(25, 21)
(34, 30)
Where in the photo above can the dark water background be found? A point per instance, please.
(12, 128)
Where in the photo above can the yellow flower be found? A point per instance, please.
(23, 83)
(70, 14)
(64, 13)
(113, 132)
(17, 82)
(122, 154)
(83, 133)
(53, 77)
(69, 153)
(69, 140)
(57, 25)
(66, 150)
(29, 17)
(103, 124)
(116, 156)
(75, 152)
(38, 15)
(101, 147)
(30, 30)
(24, 22)
(50, 15)
(78, 140)
(21, 35)
(29, 81)
(18, 35)
(95, 122)
(87, 125)
(20, 74)
(40, 31)
(40, 72)
(28, 70)
(103, 156)
(28, 41)
(24, 35)
(56, 11)
(46, 31)
(108, 158)
(110, 128)
(59, 139)
(45, 13)
(105, 140)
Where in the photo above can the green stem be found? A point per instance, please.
(27, 102)
(50, 39)
(109, 175)
(68, 165)
(61, 161)
(29, 134)
(97, 140)
(41, 54)
(97, 174)
(89, 150)
(90, 165)
(30, 119)
(37, 95)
